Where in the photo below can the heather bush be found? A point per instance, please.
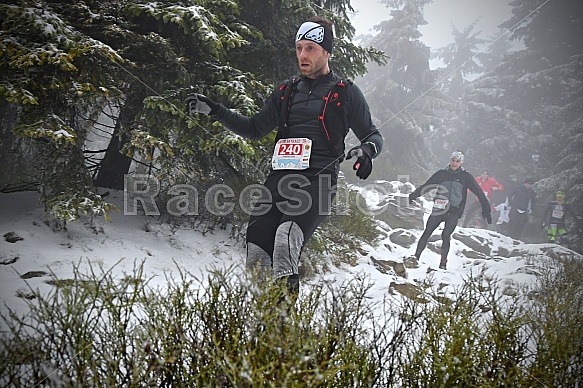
(229, 329)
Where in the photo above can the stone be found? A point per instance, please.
(474, 255)
(12, 237)
(402, 237)
(408, 290)
(398, 215)
(388, 266)
(411, 262)
(473, 242)
(33, 274)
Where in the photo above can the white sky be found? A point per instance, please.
(439, 16)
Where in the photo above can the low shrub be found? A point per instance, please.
(228, 329)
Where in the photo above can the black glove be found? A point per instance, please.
(363, 164)
(198, 103)
(412, 197)
(488, 217)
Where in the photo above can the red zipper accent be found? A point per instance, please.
(321, 118)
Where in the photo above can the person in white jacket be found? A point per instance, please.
(503, 210)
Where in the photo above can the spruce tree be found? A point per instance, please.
(402, 95)
(523, 117)
(54, 77)
(460, 58)
(134, 63)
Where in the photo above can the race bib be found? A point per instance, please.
(440, 203)
(292, 154)
(558, 213)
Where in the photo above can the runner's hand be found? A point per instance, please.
(412, 198)
(363, 164)
(199, 103)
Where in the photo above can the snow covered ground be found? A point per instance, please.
(32, 247)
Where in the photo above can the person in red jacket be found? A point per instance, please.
(487, 184)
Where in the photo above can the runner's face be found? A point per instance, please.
(312, 59)
(454, 163)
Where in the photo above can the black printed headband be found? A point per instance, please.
(317, 34)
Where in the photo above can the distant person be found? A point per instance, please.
(452, 184)
(522, 202)
(503, 210)
(487, 184)
(554, 218)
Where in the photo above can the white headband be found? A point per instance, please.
(457, 155)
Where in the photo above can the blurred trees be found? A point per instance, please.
(524, 115)
(519, 115)
(401, 94)
(460, 60)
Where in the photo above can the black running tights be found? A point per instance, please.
(433, 222)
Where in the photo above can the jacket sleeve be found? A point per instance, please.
(360, 120)
(433, 180)
(475, 188)
(254, 127)
(497, 184)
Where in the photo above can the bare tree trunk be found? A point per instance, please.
(115, 165)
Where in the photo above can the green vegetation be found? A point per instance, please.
(342, 234)
(89, 89)
(229, 330)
